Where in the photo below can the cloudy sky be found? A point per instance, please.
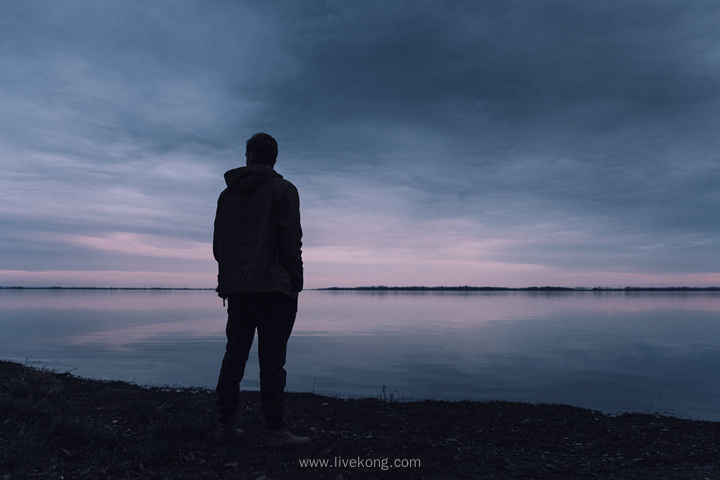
(493, 143)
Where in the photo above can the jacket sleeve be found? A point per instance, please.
(290, 235)
(215, 228)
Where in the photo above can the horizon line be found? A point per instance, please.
(395, 288)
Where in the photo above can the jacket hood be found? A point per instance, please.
(247, 179)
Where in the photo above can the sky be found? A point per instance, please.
(495, 143)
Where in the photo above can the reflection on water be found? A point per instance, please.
(612, 351)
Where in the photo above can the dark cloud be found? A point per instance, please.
(569, 136)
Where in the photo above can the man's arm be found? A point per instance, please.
(290, 235)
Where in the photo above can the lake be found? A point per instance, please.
(610, 351)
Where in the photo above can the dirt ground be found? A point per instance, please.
(55, 425)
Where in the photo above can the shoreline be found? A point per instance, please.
(61, 425)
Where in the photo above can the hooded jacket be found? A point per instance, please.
(257, 235)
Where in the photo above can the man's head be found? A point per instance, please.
(261, 149)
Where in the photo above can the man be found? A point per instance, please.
(257, 244)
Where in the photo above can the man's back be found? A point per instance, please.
(257, 238)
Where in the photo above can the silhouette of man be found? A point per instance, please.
(257, 244)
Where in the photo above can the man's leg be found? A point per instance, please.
(240, 331)
(274, 329)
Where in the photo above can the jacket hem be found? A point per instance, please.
(254, 288)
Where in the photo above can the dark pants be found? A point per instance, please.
(273, 315)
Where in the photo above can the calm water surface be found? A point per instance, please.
(611, 351)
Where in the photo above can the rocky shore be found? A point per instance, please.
(55, 425)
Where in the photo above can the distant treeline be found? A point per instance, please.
(382, 288)
(528, 289)
(102, 288)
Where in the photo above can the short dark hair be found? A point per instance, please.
(263, 147)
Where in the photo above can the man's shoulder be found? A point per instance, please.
(283, 182)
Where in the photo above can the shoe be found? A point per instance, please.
(228, 432)
(283, 438)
